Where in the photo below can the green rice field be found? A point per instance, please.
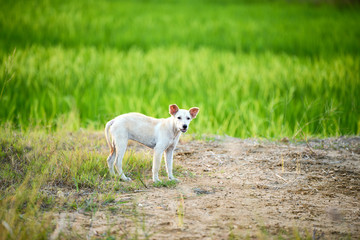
(255, 69)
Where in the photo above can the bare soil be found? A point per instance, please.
(234, 188)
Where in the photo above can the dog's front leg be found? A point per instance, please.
(169, 163)
(156, 164)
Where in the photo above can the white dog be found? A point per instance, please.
(160, 134)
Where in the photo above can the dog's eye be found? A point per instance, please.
(188, 118)
(179, 118)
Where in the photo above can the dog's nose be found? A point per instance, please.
(184, 126)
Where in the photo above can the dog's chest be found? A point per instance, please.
(173, 141)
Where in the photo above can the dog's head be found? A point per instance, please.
(182, 117)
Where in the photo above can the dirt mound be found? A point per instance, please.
(233, 188)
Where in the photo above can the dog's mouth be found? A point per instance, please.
(183, 130)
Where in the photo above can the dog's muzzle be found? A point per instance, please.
(184, 128)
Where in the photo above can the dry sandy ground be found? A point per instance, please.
(233, 188)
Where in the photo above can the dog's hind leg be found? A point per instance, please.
(121, 145)
(110, 142)
(111, 160)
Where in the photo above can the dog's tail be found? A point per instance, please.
(107, 135)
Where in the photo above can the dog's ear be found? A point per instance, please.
(194, 111)
(173, 109)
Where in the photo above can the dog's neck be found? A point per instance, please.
(175, 130)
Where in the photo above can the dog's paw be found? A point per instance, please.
(157, 181)
(174, 179)
(126, 179)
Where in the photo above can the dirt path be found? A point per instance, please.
(241, 188)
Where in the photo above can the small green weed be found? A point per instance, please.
(89, 205)
(265, 233)
(167, 184)
(109, 199)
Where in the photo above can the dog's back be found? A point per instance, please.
(137, 127)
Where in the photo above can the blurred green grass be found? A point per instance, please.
(264, 69)
(237, 26)
(37, 165)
